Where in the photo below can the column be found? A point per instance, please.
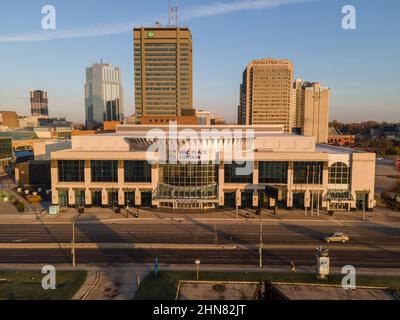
(221, 176)
(255, 199)
(54, 181)
(255, 173)
(71, 197)
(121, 197)
(138, 198)
(154, 183)
(87, 173)
(104, 197)
(289, 202)
(238, 198)
(88, 197)
(121, 174)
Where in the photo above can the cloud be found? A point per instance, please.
(219, 8)
(208, 10)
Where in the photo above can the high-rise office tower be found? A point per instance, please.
(163, 72)
(39, 104)
(315, 111)
(298, 103)
(103, 95)
(266, 94)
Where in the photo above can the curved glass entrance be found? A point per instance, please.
(188, 186)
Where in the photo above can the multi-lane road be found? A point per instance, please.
(371, 245)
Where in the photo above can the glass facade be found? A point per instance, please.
(63, 198)
(137, 171)
(5, 148)
(307, 172)
(272, 172)
(71, 170)
(339, 173)
(232, 174)
(104, 170)
(190, 181)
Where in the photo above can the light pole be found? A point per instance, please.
(261, 242)
(363, 214)
(197, 262)
(73, 243)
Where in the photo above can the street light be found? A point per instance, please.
(197, 262)
(73, 243)
(261, 242)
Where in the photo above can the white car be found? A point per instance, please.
(379, 159)
(337, 237)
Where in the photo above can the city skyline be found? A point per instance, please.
(343, 60)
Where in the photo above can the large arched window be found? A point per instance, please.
(339, 173)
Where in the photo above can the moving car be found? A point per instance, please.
(337, 237)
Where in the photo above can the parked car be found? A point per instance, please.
(337, 237)
(379, 159)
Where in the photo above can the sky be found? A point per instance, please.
(361, 66)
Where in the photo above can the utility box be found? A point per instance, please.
(54, 210)
(323, 263)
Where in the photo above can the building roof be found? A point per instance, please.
(327, 148)
(19, 135)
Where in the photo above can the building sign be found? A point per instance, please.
(187, 155)
(150, 34)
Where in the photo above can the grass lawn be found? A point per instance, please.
(164, 286)
(27, 285)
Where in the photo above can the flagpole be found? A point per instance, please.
(305, 204)
(312, 193)
(319, 183)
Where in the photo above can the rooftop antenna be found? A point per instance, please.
(173, 14)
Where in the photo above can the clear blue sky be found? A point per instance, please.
(360, 66)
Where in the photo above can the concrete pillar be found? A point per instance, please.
(54, 180)
(238, 198)
(54, 196)
(138, 198)
(307, 199)
(121, 174)
(104, 197)
(289, 201)
(71, 197)
(87, 173)
(221, 176)
(121, 197)
(255, 199)
(154, 182)
(88, 197)
(290, 185)
(255, 173)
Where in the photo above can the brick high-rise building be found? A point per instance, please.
(163, 71)
(39, 103)
(266, 94)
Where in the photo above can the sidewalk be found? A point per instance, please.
(380, 215)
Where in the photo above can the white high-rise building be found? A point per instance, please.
(103, 95)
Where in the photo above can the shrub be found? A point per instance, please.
(20, 207)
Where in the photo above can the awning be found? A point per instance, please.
(339, 195)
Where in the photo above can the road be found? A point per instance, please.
(372, 245)
(195, 232)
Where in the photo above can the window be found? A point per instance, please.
(233, 173)
(71, 170)
(272, 172)
(104, 171)
(339, 173)
(307, 172)
(137, 171)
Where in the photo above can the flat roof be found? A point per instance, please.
(327, 148)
